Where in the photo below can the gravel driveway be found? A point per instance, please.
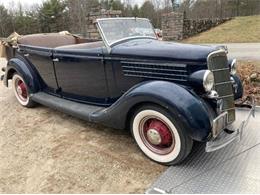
(45, 151)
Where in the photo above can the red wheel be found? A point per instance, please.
(159, 136)
(21, 91)
(156, 135)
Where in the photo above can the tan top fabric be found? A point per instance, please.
(50, 40)
(7, 43)
(61, 40)
(2, 50)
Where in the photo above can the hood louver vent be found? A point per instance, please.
(165, 71)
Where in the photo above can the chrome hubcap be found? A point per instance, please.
(154, 137)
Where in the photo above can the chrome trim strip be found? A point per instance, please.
(103, 37)
(229, 109)
(219, 124)
(220, 51)
(148, 68)
(223, 139)
(154, 73)
(154, 77)
(131, 38)
(170, 65)
(216, 70)
(122, 18)
(223, 83)
(226, 96)
(223, 88)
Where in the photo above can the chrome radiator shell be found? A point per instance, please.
(218, 63)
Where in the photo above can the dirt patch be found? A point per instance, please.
(45, 151)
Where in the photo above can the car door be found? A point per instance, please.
(41, 59)
(81, 75)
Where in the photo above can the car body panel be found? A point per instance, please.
(23, 68)
(156, 49)
(132, 73)
(81, 75)
(182, 103)
(41, 59)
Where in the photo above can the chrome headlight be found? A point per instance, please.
(208, 81)
(233, 67)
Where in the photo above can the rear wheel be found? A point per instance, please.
(159, 136)
(21, 91)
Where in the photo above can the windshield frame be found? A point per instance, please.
(110, 45)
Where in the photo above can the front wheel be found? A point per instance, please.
(160, 136)
(21, 91)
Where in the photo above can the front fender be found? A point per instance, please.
(187, 107)
(25, 70)
(237, 87)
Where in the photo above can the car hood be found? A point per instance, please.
(163, 50)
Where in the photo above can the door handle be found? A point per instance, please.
(26, 55)
(55, 60)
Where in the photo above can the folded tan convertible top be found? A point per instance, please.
(13, 39)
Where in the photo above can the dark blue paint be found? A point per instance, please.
(119, 94)
(155, 49)
(240, 91)
(26, 71)
(177, 100)
(41, 59)
(196, 80)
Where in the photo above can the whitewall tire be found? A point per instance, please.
(159, 136)
(21, 91)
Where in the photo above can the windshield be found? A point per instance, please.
(117, 29)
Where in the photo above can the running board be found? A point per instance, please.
(75, 109)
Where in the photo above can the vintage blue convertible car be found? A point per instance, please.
(168, 94)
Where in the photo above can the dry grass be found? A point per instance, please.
(238, 30)
(249, 73)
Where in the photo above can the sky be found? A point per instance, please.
(31, 2)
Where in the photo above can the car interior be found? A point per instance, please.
(59, 41)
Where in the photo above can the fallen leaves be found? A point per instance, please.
(250, 77)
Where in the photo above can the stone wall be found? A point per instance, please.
(91, 29)
(172, 26)
(176, 27)
(193, 27)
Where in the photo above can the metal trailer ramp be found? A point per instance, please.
(233, 169)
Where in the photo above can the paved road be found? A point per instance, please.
(243, 51)
(233, 169)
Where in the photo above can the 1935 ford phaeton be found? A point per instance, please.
(168, 94)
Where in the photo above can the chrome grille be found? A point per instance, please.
(164, 71)
(218, 64)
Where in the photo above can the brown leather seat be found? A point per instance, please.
(50, 40)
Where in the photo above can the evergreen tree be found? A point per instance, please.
(53, 16)
(5, 22)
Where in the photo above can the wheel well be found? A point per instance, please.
(133, 110)
(10, 74)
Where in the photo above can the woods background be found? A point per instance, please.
(59, 15)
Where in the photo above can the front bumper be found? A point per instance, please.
(224, 133)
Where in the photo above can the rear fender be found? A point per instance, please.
(25, 70)
(185, 106)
